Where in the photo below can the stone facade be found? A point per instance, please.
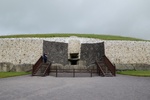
(128, 51)
(19, 54)
(57, 52)
(20, 51)
(125, 54)
(91, 52)
(135, 54)
(74, 46)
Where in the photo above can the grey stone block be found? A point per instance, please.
(57, 52)
(56, 65)
(91, 52)
(6, 67)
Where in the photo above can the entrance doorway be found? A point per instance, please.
(74, 58)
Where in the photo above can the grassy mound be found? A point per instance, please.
(103, 37)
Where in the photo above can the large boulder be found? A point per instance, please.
(6, 67)
(9, 67)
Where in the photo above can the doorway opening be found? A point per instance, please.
(74, 58)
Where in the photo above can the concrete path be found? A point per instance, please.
(78, 88)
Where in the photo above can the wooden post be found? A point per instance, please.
(97, 68)
(73, 72)
(91, 72)
(99, 71)
(32, 70)
(49, 69)
(56, 71)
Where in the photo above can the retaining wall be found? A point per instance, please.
(125, 54)
(20, 51)
(129, 54)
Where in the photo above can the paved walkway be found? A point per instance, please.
(78, 88)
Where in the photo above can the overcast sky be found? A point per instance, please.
(114, 17)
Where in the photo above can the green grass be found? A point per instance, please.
(103, 37)
(145, 73)
(12, 74)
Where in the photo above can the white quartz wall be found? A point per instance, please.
(20, 51)
(128, 52)
(28, 50)
(74, 46)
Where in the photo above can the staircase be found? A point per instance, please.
(40, 68)
(105, 67)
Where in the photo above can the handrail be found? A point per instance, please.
(47, 70)
(36, 66)
(110, 66)
(100, 69)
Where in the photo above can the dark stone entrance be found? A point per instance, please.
(74, 58)
(58, 53)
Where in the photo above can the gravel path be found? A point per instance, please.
(78, 88)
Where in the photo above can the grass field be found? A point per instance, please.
(103, 37)
(145, 73)
(12, 74)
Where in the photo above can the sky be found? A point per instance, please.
(129, 18)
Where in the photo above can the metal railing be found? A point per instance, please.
(110, 66)
(47, 69)
(99, 69)
(104, 65)
(39, 65)
(57, 71)
(36, 66)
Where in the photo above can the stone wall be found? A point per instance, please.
(91, 52)
(20, 51)
(57, 52)
(19, 54)
(125, 54)
(128, 54)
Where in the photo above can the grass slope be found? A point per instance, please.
(12, 74)
(103, 37)
(145, 73)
